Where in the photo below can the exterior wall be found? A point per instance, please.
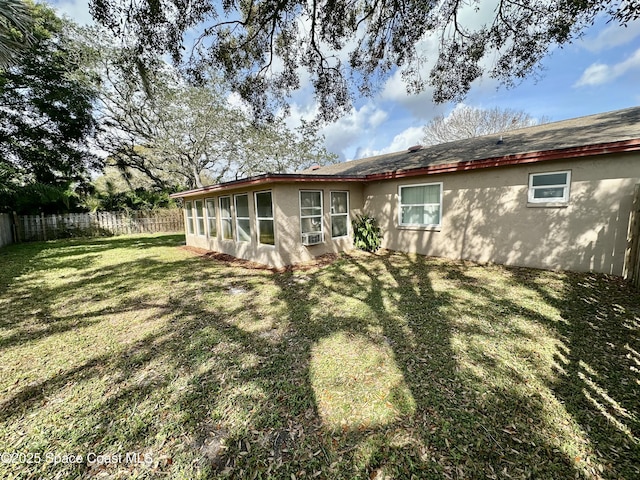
(288, 247)
(486, 218)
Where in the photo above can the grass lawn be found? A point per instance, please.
(376, 366)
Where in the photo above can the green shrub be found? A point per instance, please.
(367, 235)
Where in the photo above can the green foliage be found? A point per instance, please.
(276, 148)
(115, 190)
(367, 235)
(137, 199)
(245, 39)
(39, 197)
(16, 25)
(35, 197)
(46, 119)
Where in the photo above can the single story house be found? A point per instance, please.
(554, 196)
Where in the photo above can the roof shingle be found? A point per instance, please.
(595, 129)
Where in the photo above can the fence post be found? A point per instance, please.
(632, 258)
(16, 228)
(44, 226)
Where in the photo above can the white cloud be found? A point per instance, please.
(600, 73)
(612, 36)
(377, 118)
(595, 74)
(341, 136)
(360, 123)
(234, 100)
(405, 139)
(76, 10)
(298, 112)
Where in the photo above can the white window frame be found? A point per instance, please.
(198, 218)
(558, 200)
(400, 205)
(332, 215)
(235, 209)
(258, 217)
(321, 232)
(230, 217)
(188, 207)
(212, 201)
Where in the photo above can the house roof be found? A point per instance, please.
(599, 129)
(610, 132)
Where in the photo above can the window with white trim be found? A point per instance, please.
(243, 222)
(549, 187)
(211, 217)
(225, 218)
(421, 205)
(188, 206)
(311, 211)
(199, 217)
(339, 214)
(264, 216)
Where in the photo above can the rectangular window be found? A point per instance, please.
(339, 214)
(264, 214)
(421, 205)
(188, 206)
(310, 211)
(211, 217)
(200, 217)
(243, 226)
(225, 218)
(550, 187)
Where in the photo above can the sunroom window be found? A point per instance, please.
(199, 217)
(243, 223)
(264, 214)
(188, 206)
(225, 218)
(211, 217)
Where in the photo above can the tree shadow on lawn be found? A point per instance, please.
(584, 367)
(26, 310)
(243, 374)
(478, 364)
(462, 426)
(165, 383)
(597, 362)
(38, 256)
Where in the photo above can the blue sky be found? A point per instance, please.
(599, 72)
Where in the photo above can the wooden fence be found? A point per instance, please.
(6, 229)
(632, 258)
(31, 228)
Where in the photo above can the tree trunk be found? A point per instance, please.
(196, 177)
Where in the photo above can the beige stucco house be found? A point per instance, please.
(555, 196)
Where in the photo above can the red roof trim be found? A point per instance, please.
(519, 159)
(270, 178)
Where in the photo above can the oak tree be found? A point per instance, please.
(183, 135)
(348, 47)
(46, 116)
